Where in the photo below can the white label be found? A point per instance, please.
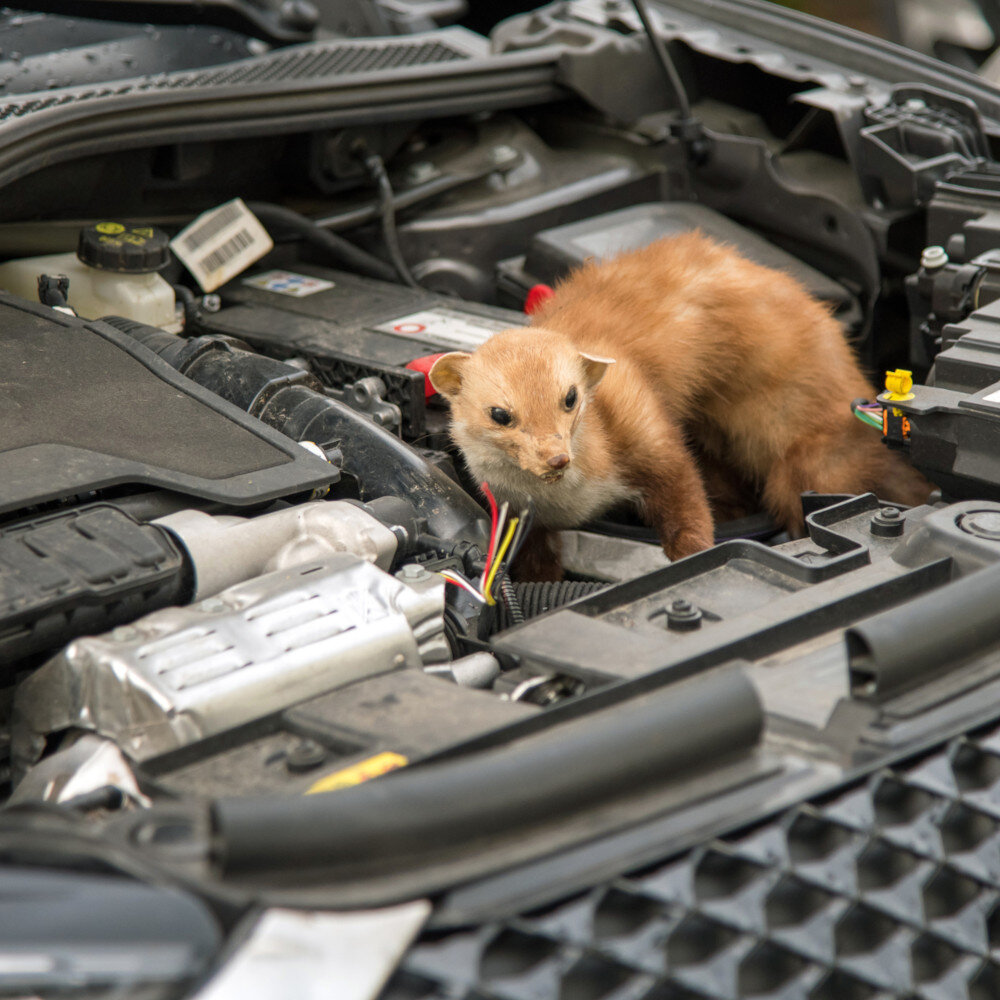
(288, 283)
(221, 243)
(447, 327)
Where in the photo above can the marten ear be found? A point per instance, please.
(594, 368)
(446, 373)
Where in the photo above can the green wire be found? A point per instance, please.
(868, 419)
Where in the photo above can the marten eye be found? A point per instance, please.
(500, 416)
(570, 399)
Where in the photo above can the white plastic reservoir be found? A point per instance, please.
(117, 277)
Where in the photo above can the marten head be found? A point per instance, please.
(519, 399)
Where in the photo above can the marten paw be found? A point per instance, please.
(687, 542)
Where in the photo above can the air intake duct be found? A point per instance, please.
(292, 401)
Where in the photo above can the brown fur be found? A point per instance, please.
(705, 343)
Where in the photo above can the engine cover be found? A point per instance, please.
(86, 407)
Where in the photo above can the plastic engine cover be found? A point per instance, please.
(86, 407)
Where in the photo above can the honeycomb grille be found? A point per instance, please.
(315, 62)
(888, 888)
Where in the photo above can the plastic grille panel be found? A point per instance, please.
(315, 62)
(890, 887)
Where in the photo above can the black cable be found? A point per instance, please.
(341, 251)
(402, 200)
(663, 58)
(526, 518)
(687, 128)
(189, 303)
(387, 212)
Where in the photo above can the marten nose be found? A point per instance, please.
(559, 461)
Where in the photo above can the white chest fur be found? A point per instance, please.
(568, 503)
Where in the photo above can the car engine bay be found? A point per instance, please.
(238, 660)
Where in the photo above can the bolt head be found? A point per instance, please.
(888, 523)
(304, 756)
(683, 616)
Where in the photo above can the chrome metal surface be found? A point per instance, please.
(226, 550)
(182, 674)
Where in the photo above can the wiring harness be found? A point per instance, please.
(507, 534)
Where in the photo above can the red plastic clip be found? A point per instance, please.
(425, 364)
(537, 297)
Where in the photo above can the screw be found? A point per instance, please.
(211, 303)
(304, 756)
(933, 257)
(856, 82)
(411, 571)
(887, 523)
(683, 616)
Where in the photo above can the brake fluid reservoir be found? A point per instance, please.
(112, 273)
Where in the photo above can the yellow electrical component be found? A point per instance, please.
(898, 384)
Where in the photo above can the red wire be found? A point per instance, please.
(488, 493)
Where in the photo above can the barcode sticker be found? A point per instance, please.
(221, 243)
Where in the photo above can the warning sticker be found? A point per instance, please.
(364, 770)
(445, 327)
(288, 283)
(221, 243)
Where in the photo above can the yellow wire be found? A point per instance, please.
(501, 552)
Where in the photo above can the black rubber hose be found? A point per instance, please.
(466, 809)
(535, 598)
(404, 199)
(340, 251)
(189, 303)
(908, 645)
(387, 212)
(292, 402)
